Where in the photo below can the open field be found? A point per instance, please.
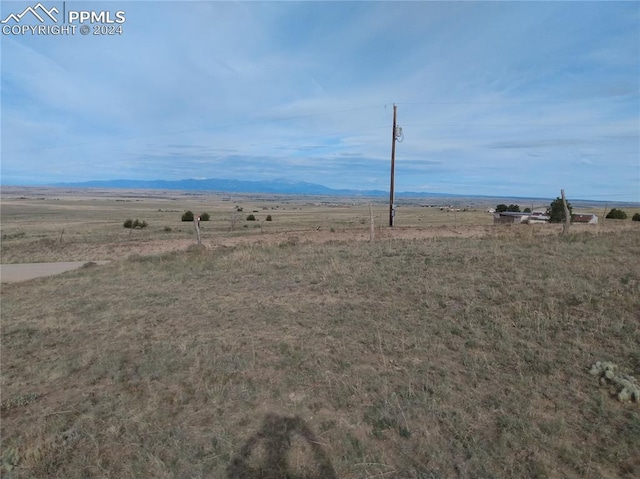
(446, 348)
(46, 225)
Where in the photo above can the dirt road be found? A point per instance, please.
(10, 273)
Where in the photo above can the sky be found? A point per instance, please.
(513, 99)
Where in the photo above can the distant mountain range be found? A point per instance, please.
(279, 186)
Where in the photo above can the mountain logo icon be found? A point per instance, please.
(38, 11)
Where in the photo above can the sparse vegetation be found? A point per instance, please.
(401, 358)
(616, 214)
(404, 357)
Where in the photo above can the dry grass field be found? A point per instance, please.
(297, 349)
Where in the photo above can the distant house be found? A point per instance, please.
(586, 218)
(510, 218)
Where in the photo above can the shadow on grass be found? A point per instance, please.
(265, 454)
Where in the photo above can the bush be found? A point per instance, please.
(527, 210)
(205, 217)
(555, 212)
(167, 229)
(616, 214)
(268, 218)
(251, 218)
(188, 216)
(501, 208)
(636, 217)
(135, 224)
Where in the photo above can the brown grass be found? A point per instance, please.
(415, 358)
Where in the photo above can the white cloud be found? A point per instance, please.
(305, 90)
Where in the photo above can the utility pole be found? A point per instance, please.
(392, 210)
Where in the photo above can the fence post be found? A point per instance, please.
(567, 215)
(372, 231)
(196, 223)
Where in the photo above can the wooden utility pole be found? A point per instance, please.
(392, 211)
(567, 215)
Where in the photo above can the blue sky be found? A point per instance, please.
(494, 98)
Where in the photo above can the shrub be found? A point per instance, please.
(167, 229)
(555, 212)
(251, 218)
(501, 208)
(527, 210)
(268, 218)
(636, 217)
(188, 216)
(205, 217)
(616, 214)
(134, 224)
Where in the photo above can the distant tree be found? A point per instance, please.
(527, 210)
(251, 218)
(635, 217)
(513, 208)
(501, 208)
(616, 214)
(187, 216)
(268, 218)
(555, 212)
(128, 224)
(205, 217)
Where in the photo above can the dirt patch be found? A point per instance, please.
(11, 273)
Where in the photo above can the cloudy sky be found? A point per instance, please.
(494, 98)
